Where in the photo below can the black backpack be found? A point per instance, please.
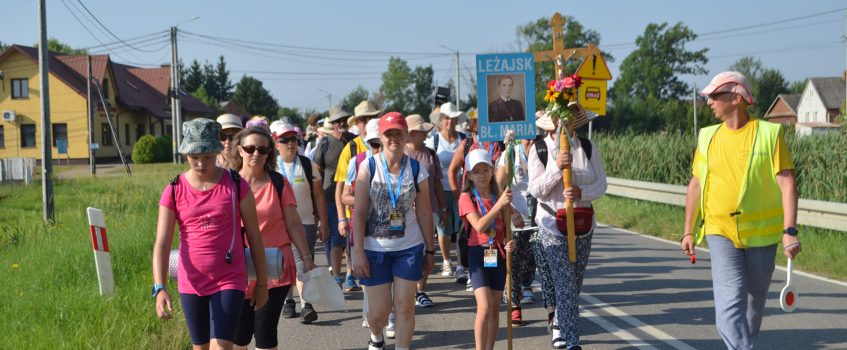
(236, 178)
(436, 138)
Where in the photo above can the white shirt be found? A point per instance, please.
(445, 153)
(519, 182)
(547, 186)
(301, 189)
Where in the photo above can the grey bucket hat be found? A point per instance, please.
(338, 112)
(201, 135)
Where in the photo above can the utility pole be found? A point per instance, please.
(46, 146)
(176, 106)
(458, 83)
(90, 111)
(328, 95)
(694, 98)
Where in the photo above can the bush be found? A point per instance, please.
(151, 149)
(819, 160)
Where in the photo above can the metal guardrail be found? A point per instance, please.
(829, 215)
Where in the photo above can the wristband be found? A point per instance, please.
(158, 288)
(342, 220)
(685, 235)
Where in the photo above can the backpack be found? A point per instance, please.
(236, 178)
(541, 151)
(416, 170)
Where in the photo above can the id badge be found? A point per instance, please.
(298, 180)
(395, 221)
(490, 258)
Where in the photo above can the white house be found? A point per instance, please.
(820, 105)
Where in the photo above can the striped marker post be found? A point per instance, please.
(102, 257)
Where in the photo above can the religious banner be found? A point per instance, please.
(506, 95)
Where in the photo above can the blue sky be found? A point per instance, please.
(416, 31)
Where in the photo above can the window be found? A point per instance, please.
(126, 132)
(139, 131)
(27, 135)
(169, 131)
(2, 137)
(60, 132)
(105, 89)
(105, 135)
(20, 88)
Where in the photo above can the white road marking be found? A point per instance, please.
(614, 330)
(652, 331)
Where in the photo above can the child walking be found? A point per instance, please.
(480, 208)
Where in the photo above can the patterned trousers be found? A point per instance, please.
(567, 279)
(523, 263)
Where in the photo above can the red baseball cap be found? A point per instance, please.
(392, 120)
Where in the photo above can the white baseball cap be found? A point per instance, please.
(478, 156)
(372, 130)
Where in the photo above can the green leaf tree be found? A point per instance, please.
(396, 85)
(204, 97)
(221, 80)
(356, 96)
(422, 90)
(251, 95)
(55, 45)
(766, 83)
(646, 96)
(193, 78)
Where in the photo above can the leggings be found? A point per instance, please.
(212, 316)
(567, 280)
(262, 322)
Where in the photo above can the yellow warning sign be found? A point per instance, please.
(594, 67)
(592, 95)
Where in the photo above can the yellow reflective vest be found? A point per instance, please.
(758, 215)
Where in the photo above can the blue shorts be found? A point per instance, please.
(213, 316)
(335, 239)
(406, 264)
(491, 277)
(450, 227)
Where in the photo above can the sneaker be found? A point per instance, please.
(376, 345)
(365, 323)
(527, 297)
(288, 309)
(340, 281)
(558, 342)
(446, 270)
(389, 330)
(469, 285)
(309, 314)
(350, 284)
(516, 316)
(461, 276)
(422, 300)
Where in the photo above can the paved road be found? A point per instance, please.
(639, 293)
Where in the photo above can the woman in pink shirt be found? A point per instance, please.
(279, 223)
(212, 270)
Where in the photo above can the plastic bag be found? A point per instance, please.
(319, 288)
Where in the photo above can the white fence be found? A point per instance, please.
(830, 215)
(17, 169)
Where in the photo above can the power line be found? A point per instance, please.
(146, 37)
(106, 28)
(823, 45)
(86, 28)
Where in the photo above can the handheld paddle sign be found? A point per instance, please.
(788, 297)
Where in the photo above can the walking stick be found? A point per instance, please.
(566, 128)
(509, 153)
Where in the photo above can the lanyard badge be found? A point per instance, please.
(396, 219)
(490, 258)
(291, 178)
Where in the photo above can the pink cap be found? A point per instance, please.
(730, 81)
(392, 120)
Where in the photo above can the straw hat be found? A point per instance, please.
(229, 121)
(336, 113)
(417, 123)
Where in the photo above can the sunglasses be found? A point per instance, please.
(263, 150)
(375, 144)
(286, 140)
(717, 95)
(227, 137)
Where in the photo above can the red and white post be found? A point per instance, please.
(102, 257)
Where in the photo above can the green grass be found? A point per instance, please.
(824, 251)
(51, 297)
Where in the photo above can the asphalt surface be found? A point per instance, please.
(639, 293)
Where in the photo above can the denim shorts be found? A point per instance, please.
(406, 264)
(481, 276)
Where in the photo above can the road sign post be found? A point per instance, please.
(102, 257)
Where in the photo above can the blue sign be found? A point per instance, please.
(62, 144)
(506, 91)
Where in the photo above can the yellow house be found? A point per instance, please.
(137, 99)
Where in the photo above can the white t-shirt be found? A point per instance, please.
(445, 153)
(300, 187)
(377, 235)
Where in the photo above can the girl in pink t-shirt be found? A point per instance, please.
(280, 226)
(212, 273)
(480, 209)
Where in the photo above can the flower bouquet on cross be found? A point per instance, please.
(562, 102)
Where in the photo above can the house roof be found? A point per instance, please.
(831, 90)
(137, 88)
(789, 100)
